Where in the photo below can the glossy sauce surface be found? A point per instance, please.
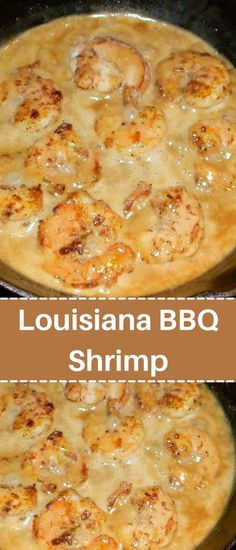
(172, 163)
(198, 504)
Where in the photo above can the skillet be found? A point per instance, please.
(215, 22)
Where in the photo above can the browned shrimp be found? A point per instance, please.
(199, 78)
(196, 458)
(17, 502)
(218, 175)
(30, 101)
(172, 399)
(171, 226)
(62, 156)
(75, 218)
(52, 459)
(139, 198)
(75, 227)
(152, 522)
(105, 64)
(25, 415)
(214, 136)
(120, 496)
(66, 513)
(122, 440)
(215, 140)
(20, 204)
(90, 394)
(136, 135)
(103, 269)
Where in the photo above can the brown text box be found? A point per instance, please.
(192, 355)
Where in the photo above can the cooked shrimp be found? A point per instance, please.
(87, 394)
(105, 64)
(20, 204)
(30, 99)
(195, 454)
(214, 136)
(139, 134)
(200, 79)
(70, 232)
(104, 269)
(153, 521)
(52, 459)
(118, 395)
(138, 199)
(172, 226)
(171, 399)
(75, 218)
(219, 176)
(120, 496)
(103, 542)
(17, 502)
(66, 513)
(122, 440)
(25, 413)
(61, 155)
(91, 394)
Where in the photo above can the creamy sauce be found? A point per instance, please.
(198, 508)
(171, 163)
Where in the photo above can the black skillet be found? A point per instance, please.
(213, 20)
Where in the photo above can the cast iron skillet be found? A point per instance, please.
(213, 20)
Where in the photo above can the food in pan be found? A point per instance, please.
(117, 155)
(112, 465)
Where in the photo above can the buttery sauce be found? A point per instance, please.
(172, 163)
(198, 503)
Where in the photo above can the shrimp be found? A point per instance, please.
(215, 140)
(63, 515)
(25, 413)
(196, 458)
(103, 269)
(20, 204)
(118, 395)
(105, 64)
(122, 440)
(50, 460)
(214, 136)
(87, 394)
(120, 496)
(152, 522)
(102, 542)
(171, 399)
(17, 502)
(61, 155)
(171, 226)
(75, 218)
(221, 175)
(29, 101)
(138, 199)
(199, 78)
(91, 394)
(75, 227)
(139, 134)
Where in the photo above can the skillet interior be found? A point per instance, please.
(212, 20)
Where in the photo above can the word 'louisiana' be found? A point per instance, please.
(74, 321)
(182, 320)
